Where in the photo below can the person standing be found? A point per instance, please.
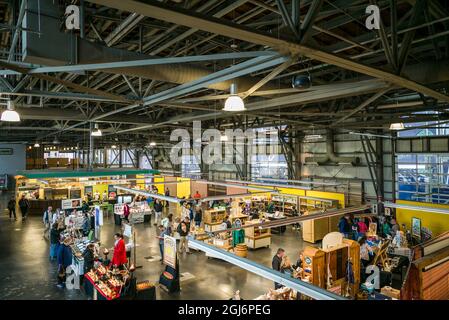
(162, 232)
(126, 212)
(54, 241)
(64, 260)
(183, 230)
(167, 194)
(47, 219)
(394, 228)
(276, 264)
(119, 255)
(12, 208)
(197, 195)
(24, 205)
(158, 211)
(198, 216)
(89, 257)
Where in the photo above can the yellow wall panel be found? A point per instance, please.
(160, 187)
(328, 195)
(436, 222)
(183, 188)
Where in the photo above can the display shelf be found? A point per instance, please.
(214, 216)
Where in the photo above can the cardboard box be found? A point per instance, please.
(390, 292)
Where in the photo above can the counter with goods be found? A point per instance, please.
(255, 237)
(104, 283)
(139, 212)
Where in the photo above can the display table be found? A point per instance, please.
(273, 217)
(211, 227)
(255, 237)
(96, 292)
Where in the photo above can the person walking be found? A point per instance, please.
(12, 208)
(183, 230)
(158, 211)
(47, 219)
(24, 205)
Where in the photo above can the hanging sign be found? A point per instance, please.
(170, 251)
(70, 204)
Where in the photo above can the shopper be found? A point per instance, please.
(54, 241)
(89, 257)
(295, 213)
(119, 255)
(85, 207)
(158, 211)
(167, 194)
(183, 230)
(299, 261)
(162, 232)
(47, 219)
(64, 260)
(24, 205)
(386, 228)
(366, 253)
(363, 228)
(126, 212)
(197, 195)
(198, 216)
(394, 228)
(86, 224)
(185, 212)
(276, 264)
(344, 226)
(191, 213)
(12, 208)
(168, 223)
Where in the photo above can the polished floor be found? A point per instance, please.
(27, 273)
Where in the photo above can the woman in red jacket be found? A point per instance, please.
(119, 256)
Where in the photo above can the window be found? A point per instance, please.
(269, 166)
(423, 177)
(425, 129)
(190, 167)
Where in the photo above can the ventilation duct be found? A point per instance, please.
(330, 156)
(54, 47)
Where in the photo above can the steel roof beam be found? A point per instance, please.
(161, 11)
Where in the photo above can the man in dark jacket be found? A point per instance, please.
(158, 211)
(276, 264)
(198, 216)
(64, 260)
(89, 258)
(24, 205)
(54, 241)
(12, 208)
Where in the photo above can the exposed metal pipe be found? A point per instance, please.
(330, 154)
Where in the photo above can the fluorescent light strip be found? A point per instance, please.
(235, 186)
(415, 208)
(148, 194)
(271, 184)
(302, 182)
(231, 196)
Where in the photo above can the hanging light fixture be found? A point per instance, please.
(55, 141)
(234, 103)
(152, 144)
(397, 126)
(37, 145)
(224, 138)
(10, 114)
(113, 146)
(97, 132)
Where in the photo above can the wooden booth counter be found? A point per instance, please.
(255, 237)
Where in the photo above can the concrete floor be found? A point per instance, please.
(27, 273)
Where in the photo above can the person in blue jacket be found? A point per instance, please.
(64, 260)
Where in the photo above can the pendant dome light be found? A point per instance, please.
(10, 114)
(234, 103)
(397, 126)
(97, 132)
